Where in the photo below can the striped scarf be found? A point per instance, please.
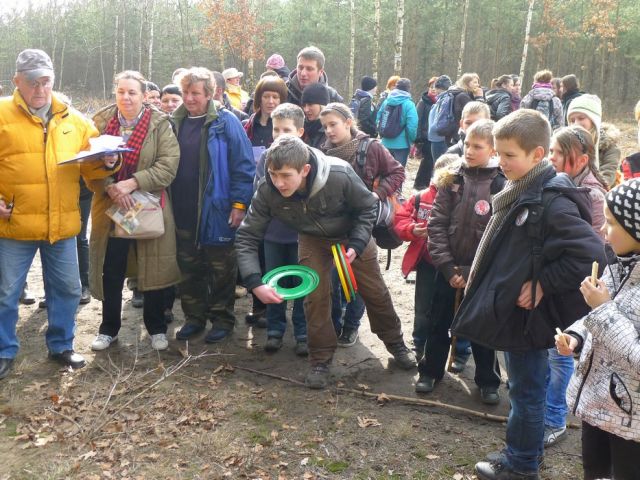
(501, 204)
(130, 159)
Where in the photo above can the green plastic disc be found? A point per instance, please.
(309, 281)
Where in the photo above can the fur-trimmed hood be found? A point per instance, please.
(445, 177)
(609, 136)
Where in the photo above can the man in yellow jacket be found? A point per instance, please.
(39, 203)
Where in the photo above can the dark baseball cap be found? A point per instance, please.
(34, 64)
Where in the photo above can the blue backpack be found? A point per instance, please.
(355, 106)
(390, 124)
(445, 120)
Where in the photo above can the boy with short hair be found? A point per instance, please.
(537, 248)
(281, 244)
(459, 216)
(322, 198)
(471, 113)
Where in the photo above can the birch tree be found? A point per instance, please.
(527, 33)
(463, 36)
(352, 54)
(397, 59)
(376, 39)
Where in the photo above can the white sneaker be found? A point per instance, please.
(159, 341)
(102, 342)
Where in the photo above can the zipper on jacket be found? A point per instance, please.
(584, 380)
(44, 127)
(304, 210)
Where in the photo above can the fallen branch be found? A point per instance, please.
(399, 398)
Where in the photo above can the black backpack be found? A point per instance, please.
(390, 124)
(383, 231)
(545, 107)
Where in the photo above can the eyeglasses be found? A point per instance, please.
(48, 83)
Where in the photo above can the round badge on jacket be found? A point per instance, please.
(482, 207)
(522, 217)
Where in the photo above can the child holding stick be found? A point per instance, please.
(605, 386)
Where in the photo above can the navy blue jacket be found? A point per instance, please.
(488, 314)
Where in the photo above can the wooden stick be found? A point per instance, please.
(399, 398)
(561, 336)
(594, 274)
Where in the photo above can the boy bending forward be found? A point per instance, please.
(326, 202)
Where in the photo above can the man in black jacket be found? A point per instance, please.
(363, 108)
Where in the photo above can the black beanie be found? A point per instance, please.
(368, 83)
(315, 94)
(404, 84)
(623, 202)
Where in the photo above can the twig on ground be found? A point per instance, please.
(399, 398)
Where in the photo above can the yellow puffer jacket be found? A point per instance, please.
(237, 96)
(45, 194)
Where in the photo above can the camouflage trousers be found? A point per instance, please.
(207, 290)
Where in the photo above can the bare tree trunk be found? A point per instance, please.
(527, 32)
(143, 14)
(444, 42)
(61, 68)
(115, 47)
(352, 51)
(463, 36)
(497, 45)
(102, 25)
(124, 37)
(376, 39)
(150, 51)
(397, 59)
(250, 72)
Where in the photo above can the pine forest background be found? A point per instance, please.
(90, 40)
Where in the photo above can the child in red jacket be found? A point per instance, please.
(410, 224)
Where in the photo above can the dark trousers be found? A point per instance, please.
(605, 455)
(113, 274)
(438, 342)
(423, 299)
(256, 304)
(209, 274)
(425, 170)
(81, 239)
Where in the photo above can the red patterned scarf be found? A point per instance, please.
(130, 159)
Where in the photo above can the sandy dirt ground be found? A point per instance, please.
(196, 412)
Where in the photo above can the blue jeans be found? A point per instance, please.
(400, 154)
(61, 286)
(353, 311)
(437, 149)
(277, 255)
(560, 371)
(527, 391)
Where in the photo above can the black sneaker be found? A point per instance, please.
(273, 344)
(501, 471)
(26, 297)
(348, 337)
(402, 355)
(489, 395)
(85, 296)
(425, 384)
(318, 376)
(137, 301)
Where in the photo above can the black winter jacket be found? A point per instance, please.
(499, 101)
(567, 98)
(488, 314)
(337, 204)
(295, 91)
(424, 107)
(366, 114)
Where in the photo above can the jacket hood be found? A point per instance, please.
(561, 183)
(444, 177)
(361, 93)
(496, 95)
(295, 89)
(283, 72)
(396, 97)
(609, 136)
(426, 98)
(323, 167)
(541, 93)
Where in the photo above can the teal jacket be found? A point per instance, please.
(409, 119)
